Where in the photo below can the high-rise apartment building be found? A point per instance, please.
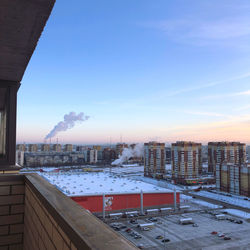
(45, 147)
(168, 154)
(233, 178)
(120, 147)
(186, 161)
(33, 147)
(68, 148)
(57, 147)
(230, 152)
(154, 159)
(108, 155)
(21, 147)
(90, 156)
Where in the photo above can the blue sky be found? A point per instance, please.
(146, 70)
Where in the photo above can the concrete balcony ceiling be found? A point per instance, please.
(21, 25)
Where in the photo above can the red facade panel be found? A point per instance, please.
(125, 201)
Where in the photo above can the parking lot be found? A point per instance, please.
(196, 235)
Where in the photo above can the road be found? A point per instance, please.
(187, 192)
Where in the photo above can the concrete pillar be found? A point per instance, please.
(142, 212)
(175, 199)
(103, 206)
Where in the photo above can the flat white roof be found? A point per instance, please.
(86, 184)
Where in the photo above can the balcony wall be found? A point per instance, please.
(35, 215)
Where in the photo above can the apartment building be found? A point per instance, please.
(33, 147)
(57, 147)
(45, 147)
(186, 161)
(90, 156)
(68, 148)
(154, 159)
(233, 178)
(119, 148)
(230, 152)
(21, 147)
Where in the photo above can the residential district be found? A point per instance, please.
(179, 196)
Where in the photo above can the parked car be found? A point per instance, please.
(195, 225)
(221, 235)
(140, 246)
(133, 221)
(227, 238)
(238, 221)
(159, 237)
(214, 232)
(165, 240)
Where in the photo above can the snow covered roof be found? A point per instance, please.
(86, 184)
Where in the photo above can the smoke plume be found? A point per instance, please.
(68, 123)
(127, 153)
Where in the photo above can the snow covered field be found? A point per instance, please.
(230, 200)
(74, 184)
(186, 198)
(238, 213)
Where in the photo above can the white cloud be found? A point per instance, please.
(203, 86)
(197, 31)
(201, 113)
(235, 94)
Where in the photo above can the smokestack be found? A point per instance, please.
(68, 123)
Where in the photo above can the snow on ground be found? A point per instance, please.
(159, 183)
(75, 184)
(185, 198)
(168, 167)
(230, 200)
(138, 170)
(238, 213)
(205, 204)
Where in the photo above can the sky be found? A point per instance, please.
(142, 70)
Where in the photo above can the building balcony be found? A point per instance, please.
(35, 215)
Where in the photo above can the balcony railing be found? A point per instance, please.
(36, 215)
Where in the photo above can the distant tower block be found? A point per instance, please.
(68, 148)
(57, 147)
(230, 152)
(154, 159)
(186, 160)
(45, 148)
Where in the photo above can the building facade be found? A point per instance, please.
(108, 155)
(68, 147)
(154, 159)
(21, 147)
(119, 148)
(90, 156)
(45, 147)
(230, 152)
(57, 147)
(186, 161)
(33, 147)
(233, 178)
